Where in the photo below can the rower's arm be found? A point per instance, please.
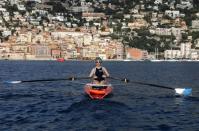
(92, 72)
(106, 72)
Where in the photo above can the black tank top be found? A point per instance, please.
(99, 72)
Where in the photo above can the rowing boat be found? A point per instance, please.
(97, 91)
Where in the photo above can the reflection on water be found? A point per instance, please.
(179, 100)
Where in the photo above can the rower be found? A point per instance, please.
(99, 73)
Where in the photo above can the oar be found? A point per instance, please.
(178, 91)
(43, 80)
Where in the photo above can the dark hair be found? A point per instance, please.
(98, 59)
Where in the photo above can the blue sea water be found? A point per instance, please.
(63, 106)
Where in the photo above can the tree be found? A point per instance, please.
(163, 7)
(118, 16)
(91, 23)
(108, 11)
(145, 44)
(148, 18)
(184, 36)
(143, 32)
(195, 35)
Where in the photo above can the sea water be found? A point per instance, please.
(62, 105)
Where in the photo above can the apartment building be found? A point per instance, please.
(93, 16)
(172, 13)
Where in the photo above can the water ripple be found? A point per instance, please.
(62, 105)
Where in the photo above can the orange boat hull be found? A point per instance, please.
(98, 93)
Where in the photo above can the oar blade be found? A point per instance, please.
(12, 82)
(183, 91)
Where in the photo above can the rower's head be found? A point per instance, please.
(98, 61)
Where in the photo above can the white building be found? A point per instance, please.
(63, 34)
(196, 42)
(185, 49)
(176, 31)
(82, 9)
(79, 40)
(6, 33)
(38, 1)
(12, 2)
(134, 11)
(120, 50)
(21, 7)
(163, 31)
(195, 24)
(87, 39)
(2, 9)
(194, 54)
(172, 54)
(172, 13)
(1, 21)
(185, 4)
(185, 52)
(158, 2)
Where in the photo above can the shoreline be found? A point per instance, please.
(111, 60)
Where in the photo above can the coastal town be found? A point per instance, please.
(85, 29)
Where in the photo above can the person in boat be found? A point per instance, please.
(99, 73)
